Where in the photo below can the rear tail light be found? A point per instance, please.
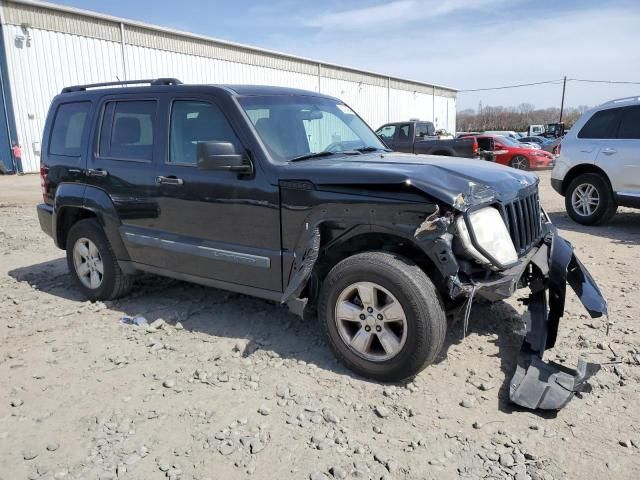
(475, 146)
(557, 148)
(44, 171)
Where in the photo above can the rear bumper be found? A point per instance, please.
(547, 270)
(556, 184)
(45, 217)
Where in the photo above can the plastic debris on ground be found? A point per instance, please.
(137, 320)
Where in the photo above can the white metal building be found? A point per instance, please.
(45, 47)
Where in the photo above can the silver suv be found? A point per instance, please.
(599, 163)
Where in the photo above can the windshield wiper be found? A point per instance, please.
(308, 156)
(371, 149)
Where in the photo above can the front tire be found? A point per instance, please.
(589, 200)
(519, 162)
(382, 316)
(93, 264)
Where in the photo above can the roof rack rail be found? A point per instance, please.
(623, 100)
(156, 81)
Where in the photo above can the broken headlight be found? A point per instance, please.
(485, 237)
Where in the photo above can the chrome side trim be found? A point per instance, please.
(201, 251)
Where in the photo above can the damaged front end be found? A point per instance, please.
(484, 243)
(547, 385)
(545, 264)
(545, 270)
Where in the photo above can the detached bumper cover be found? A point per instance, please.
(550, 386)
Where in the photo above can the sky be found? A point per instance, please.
(464, 44)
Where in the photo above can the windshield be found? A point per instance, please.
(295, 126)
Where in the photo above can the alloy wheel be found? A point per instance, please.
(88, 263)
(585, 199)
(519, 162)
(371, 321)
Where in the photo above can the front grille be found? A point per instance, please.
(524, 222)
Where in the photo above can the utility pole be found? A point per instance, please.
(564, 86)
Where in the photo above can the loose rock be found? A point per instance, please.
(382, 411)
(29, 454)
(169, 383)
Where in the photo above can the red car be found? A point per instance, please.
(508, 151)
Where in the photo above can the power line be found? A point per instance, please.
(513, 86)
(602, 81)
(550, 82)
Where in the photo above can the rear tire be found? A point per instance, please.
(93, 264)
(520, 162)
(396, 279)
(589, 200)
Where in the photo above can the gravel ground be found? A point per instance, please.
(226, 386)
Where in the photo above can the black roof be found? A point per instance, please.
(269, 90)
(175, 83)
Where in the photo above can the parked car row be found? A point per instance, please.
(596, 164)
(420, 137)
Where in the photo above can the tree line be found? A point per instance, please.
(514, 118)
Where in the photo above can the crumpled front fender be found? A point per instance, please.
(549, 386)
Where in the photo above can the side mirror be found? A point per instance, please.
(222, 156)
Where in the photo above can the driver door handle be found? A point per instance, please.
(172, 180)
(98, 172)
(609, 151)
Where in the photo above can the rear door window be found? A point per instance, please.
(425, 129)
(69, 127)
(602, 124)
(403, 132)
(127, 130)
(630, 123)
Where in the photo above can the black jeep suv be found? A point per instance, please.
(288, 195)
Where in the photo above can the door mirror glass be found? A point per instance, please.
(222, 156)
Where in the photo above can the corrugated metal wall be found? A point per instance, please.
(48, 49)
(38, 72)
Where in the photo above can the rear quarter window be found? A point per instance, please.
(630, 123)
(69, 127)
(602, 124)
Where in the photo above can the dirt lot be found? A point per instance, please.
(234, 387)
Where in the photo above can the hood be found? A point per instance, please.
(444, 178)
(523, 150)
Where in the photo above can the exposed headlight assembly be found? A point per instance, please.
(485, 237)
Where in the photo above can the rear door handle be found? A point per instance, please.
(609, 151)
(169, 180)
(98, 172)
